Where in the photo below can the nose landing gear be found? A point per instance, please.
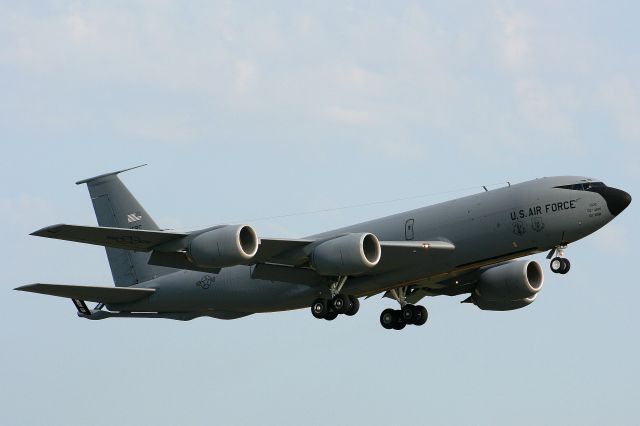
(559, 264)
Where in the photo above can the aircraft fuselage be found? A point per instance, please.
(486, 228)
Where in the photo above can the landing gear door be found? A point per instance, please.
(408, 229)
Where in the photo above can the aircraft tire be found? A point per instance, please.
(355, 306)
(387, 318)
(423, 315)
(566, 265)
(319, 308)
(331, 315)
(398, 323)
(556, 265)
(341, 303)
(409, 314)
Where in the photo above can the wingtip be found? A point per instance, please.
(47, 231)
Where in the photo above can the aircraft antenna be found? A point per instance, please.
(352, 206)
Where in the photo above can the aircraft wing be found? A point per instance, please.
(397, 254)
(292, 265)
(270, 249)
(403, 248)
(128, 239)
(90, 293)
(293, 253)
(282, 251)
(167, 249)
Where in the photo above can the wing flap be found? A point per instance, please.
(281, 250)
(294, 252)
(415, 246)
(128, 239)
(178, 260)
(399, 254)
(289, 274)
(270, 250)
(90, 293)
(401, 250)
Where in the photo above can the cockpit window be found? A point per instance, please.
(590, 185)
(585, 186)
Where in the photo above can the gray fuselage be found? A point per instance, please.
(486, 228)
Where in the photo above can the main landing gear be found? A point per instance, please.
(397, 319)
(339, 303)
(559, 264)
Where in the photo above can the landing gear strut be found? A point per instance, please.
(559, 264)
(339, 303)
(407, 314)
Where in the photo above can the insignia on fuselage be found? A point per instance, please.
(537, 224)
(518, 228)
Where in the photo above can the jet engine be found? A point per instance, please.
(509, 286)
(350, 254)
(225, 246)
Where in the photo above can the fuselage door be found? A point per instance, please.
(408, 229)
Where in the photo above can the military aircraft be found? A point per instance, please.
(464, 246)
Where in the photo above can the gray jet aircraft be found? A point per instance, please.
(465, 246)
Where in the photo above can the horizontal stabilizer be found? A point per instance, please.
(107, 175)
(90, 293)
(123, 238)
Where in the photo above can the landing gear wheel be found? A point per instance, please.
(387, 318)
(422, 315)
(556, 265)
(398, 323)
(566, 265)
(408, 314)
(331, 315)
(341, 303)
(319, 308)
(355, 306)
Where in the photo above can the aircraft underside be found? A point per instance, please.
(471, 245)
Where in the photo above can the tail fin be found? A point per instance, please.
(116, 207)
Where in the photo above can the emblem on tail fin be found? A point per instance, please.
(134, 217)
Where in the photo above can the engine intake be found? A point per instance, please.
(225, 246)
(509, 286)
(350, 254)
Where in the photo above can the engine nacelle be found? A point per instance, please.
(509, 286)
(502, 305)
(225, 246)
(350, 254)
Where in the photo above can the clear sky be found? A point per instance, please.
(246, 110)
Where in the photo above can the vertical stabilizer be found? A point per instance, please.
(116, 207)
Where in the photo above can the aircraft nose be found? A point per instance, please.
(617, 200)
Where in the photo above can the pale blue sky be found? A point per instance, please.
(246, 110)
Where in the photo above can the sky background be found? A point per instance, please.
(249, 110)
